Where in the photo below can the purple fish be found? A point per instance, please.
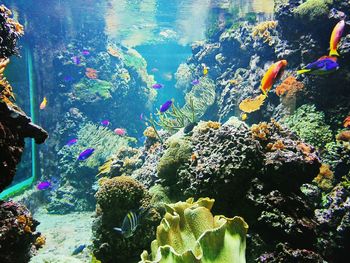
(85, 52)
(76, 60)
(166, 106)
(195, 82)
(141, 116)
(105, 123)
(157, 86)
(72, 142)
(85, 154)
(68, 78)
(43, 185)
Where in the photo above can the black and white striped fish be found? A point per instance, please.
(129, 225)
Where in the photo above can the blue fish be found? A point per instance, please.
(322, 66)
(72, 142)
(157, 86)
(105, 123)
(78, 250)
(166, 106)
(76, 60)
(68, 78)
(195, 82)
(86, 154)
(85, 52)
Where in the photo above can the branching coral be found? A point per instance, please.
(184, 76)
(310, 125)
(190, 233)
(173, 119)
(200, 98)
(260, 131)
(263, 29)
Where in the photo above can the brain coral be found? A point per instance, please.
(115, 198)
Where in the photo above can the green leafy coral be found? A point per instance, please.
(309, 124)
(190, 233)
(90, 90)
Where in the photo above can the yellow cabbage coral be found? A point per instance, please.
(252, 104)
(190, 233)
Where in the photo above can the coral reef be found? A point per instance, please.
(115, 198)
(310, 125)
(75, 192)
(190, 233)
(263, 29)
(334, 220)
(265, 165)
(18, 238)
(10, 32)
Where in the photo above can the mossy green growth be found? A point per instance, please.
(190, 233)
(179, 151)
(312, 10)
(309, 124)
(90, 90)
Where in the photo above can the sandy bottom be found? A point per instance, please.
(63, 234)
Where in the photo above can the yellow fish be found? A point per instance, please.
(244, 116)
(43, 104)
(205, 70)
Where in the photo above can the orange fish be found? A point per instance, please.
(274, 73)
(43, 104)
(347, 122)
(91, 73)
(335, 38)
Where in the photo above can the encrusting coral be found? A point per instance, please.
(190, 233)
(115, 198)
(310, 125)
(325, 178)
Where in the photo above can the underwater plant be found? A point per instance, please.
(89, 90)
(190, 233)
(197, 101)
(310, 125)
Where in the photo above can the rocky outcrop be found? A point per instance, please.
(18, 237)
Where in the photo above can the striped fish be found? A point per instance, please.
(129, 225)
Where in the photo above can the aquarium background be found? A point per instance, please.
(274, 157)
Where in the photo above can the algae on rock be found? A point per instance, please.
(190, 233)
(310, 125)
